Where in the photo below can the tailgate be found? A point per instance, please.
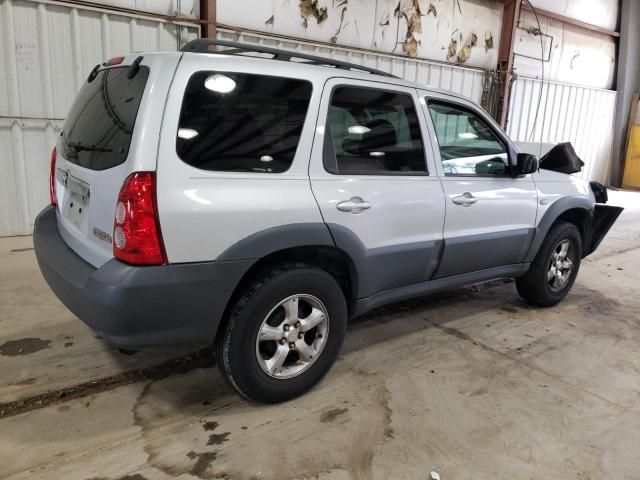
(110, 132)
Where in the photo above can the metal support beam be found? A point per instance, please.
(208, 17)
(505, 55)
(627, 83)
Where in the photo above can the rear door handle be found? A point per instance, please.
(466, 199)
(353, 205)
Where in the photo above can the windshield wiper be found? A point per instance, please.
(78, 147)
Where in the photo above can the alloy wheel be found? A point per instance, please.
(292, 336)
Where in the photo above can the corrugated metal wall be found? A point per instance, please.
(567, 113)
(46, 52)
(463, 80)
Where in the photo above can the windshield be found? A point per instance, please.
(97, 131)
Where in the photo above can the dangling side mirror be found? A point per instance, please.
(527, 164)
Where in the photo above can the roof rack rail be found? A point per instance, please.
(201, 45)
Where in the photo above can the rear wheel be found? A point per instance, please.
(554, 268)
(284, 333)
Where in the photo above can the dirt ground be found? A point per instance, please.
(472, 384)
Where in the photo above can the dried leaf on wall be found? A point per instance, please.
(453, 48)
(410, 46)
(310, 8)
(488, 42)
(464, 54)
(410, 10)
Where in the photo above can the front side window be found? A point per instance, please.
(373, 132)
(468, 146)
(237, 122)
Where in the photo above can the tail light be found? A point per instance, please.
(137, 239)
(52, 177)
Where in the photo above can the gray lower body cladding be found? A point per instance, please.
(131, 306)
(474, 253)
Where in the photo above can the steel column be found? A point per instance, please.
(505, 55)
(208, 16)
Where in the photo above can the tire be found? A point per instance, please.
(536, 287)
(291, 297)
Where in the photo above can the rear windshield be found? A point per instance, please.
(241, 122)
(98, 128)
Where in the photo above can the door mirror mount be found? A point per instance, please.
(526, 164)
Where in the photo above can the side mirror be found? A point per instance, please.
(527, 164)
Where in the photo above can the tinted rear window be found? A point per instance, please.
(240, 122)
(97, 131)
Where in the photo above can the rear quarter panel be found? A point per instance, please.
(203, 213)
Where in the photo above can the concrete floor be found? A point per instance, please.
(473, 384)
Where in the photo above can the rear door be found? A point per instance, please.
(490, 216)
(110, 131)
(373, 176)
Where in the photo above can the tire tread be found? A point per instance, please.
(532, 286)
(223, 343)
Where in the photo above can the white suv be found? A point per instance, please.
(258, 203)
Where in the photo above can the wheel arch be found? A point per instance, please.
(579, 217)
(305, 244)
(575, 210)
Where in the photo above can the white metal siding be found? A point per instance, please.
(575, 55)
(466, 81)
(603, 13)
(47, 50)
(567, 113)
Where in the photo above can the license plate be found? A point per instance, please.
(77, 200)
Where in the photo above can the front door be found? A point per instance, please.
(372, 173)
(490, 216)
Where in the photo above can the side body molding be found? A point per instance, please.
(551, 215)
(373, 270)
(272, 240)
(386, 268)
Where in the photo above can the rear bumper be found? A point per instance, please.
(132, 306)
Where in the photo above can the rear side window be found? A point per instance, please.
(236, 122)
(373, 132)
(97, 131)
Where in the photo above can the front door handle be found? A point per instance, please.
(466, 199)
(353, 205)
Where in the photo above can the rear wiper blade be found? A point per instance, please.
(78, 147)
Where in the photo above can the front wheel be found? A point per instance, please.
(554, 268)
(284, 333)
